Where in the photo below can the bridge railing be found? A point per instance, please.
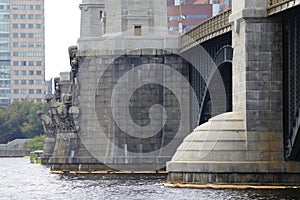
(212, 27)
(276, 6)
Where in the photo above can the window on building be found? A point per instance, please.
(23, 53)
(38, 73)
(31, 91)
(31, 82)
(23, 63)
(30, 7)
(16, 82)
(23, 16)
(23, 72)
(38, 26)
(30, 35)
(38, 100)
(37, 35)
(38, 44)
(15, 53)
(23, 82)
(4, 27)
(31, 72)
(15, 26)
(30, 16)
(23, 35)
(23, 91)
(14, 7)
(23, 44)
(23, 26)
(39, 63)
(39, 54)
(31, 63)
(16, 72)
(22, 7)
(15, 16)
(38, 91)
(38, 7)
(30, 26)
(15, 44)
(30, 54)
(15, 35)
(15, 63)
(137, 30)
(30, 44)
(38, 16)
(38, 82)
(16, 91)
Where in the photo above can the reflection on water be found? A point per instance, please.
(21, 180)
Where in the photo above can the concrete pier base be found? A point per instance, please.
(220, 152)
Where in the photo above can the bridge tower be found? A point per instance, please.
(245, 146)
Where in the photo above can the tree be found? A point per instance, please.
(37, 143)
(19, 120)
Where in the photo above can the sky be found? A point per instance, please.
(62, 29)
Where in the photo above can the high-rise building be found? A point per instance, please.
(193, 12)
(22, 50)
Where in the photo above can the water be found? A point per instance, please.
(21, 180)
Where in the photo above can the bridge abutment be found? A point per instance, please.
(247, 145)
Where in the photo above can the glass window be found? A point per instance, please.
(38, 82)
(23, 44)
(15, 26)
(22, 7)
(16, 72)
(30, 7)
(23, 72)
(23, 82)
(38, 91)
(15, 35)
(30, 82)
(23, 53)
(38, 7)
(31, 63)
(30, 54)
(4, 27)
(38, 44)
(30, 26)
(30, 35)
(16, 63)
(15, 16)
(38, 16)
(39, 54)
(23, 16)
(31, 91)
(15, 53)
(37, 35)
(23, 26)
(23, 63)
(31, 72)
(30, 44)
(38, 72)
(15, 44)
(38, 100)
(38, 63)
(14, 7)
(23, 91)
(16, 91)
(23, 35)
(38, 26)
(30, 16)
(16, 82)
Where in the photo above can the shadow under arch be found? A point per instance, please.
(223, 61)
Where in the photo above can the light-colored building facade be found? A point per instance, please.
(22, 51)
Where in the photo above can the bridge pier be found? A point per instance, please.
(245, 146)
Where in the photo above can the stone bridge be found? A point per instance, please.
(258, 141)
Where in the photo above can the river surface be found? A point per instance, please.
(21, 180)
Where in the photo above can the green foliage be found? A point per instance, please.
(19, 120)
(37, 143)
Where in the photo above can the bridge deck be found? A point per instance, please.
(276, 6)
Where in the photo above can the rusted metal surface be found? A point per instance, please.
(211, 28)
